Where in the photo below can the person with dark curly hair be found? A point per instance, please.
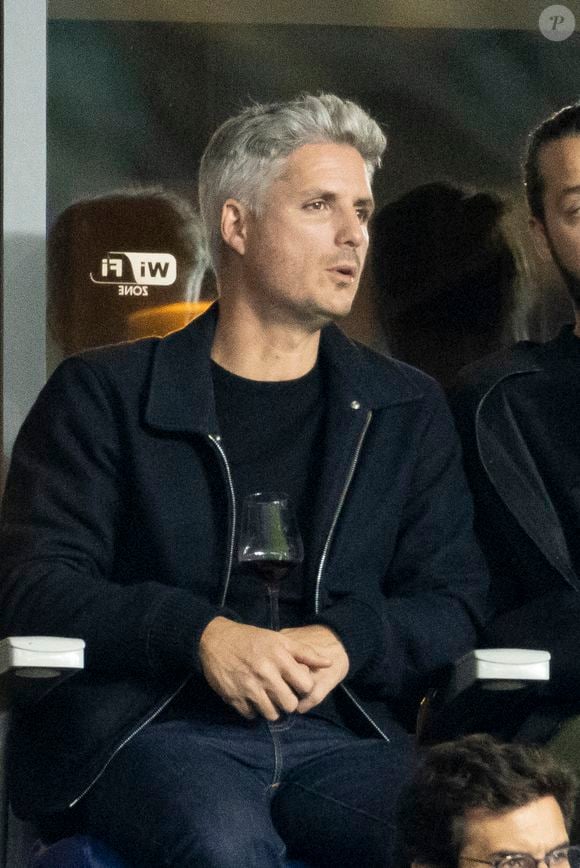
(477, 801)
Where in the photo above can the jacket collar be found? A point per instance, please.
(180, 395)
(359, 374)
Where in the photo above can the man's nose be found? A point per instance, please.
(350, 230)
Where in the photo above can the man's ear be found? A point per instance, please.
(234, 225)
(541, 243)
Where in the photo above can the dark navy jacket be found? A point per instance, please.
(117, 528)
(512, 410)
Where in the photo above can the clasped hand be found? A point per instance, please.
(262, 672)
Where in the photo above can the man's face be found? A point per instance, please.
(559, 232)
(537, 829)
(303, 255)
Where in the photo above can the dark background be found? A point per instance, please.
(134, 102)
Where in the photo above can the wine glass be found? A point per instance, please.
(270, 541)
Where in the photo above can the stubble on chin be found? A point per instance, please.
(312, 316)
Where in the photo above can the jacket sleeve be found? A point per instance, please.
(510, 554)
(435, 593)
(549, 622)
(63, 507)
(532, 604)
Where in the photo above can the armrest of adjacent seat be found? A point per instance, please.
(488, 690)
(29, 657)
(499, 669)
(41, 656)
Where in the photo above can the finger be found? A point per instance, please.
(307, 703)
(282, 673)
(266, 707)
(298, 678)
(283, 698)
(310, 656)
(320, 691)
(244, 708)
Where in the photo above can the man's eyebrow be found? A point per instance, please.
(502, 854)
(567, 191)
(318, 193)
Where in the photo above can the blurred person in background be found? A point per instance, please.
(518, 414)
(448, 277)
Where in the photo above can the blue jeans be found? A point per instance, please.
(245, 793)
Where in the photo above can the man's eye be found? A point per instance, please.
(363, 215)
(573, 209)
(559, 857)
(319, 205)
(516, 862)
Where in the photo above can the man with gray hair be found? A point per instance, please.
(198, 734)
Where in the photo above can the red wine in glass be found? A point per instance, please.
(273, 572)
(270, 541)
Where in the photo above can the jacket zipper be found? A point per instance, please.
(324, 556)
(216, 440)
(159, 708)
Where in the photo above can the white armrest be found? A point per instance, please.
(501, 668)
(40, 656)
(455, 708)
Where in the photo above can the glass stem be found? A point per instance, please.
(274, 596)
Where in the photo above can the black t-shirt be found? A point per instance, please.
(272, 434)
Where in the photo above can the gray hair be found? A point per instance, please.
(247, 152)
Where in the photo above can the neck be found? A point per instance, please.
(257, 347)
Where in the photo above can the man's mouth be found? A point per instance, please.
(345, 269)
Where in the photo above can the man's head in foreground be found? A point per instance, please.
(552, 178)
(285, 195)
(477, 801)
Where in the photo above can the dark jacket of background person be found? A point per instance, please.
(510, 409)
(447, 275)
(117, 528)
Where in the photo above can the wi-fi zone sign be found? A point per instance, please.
(133, 272)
